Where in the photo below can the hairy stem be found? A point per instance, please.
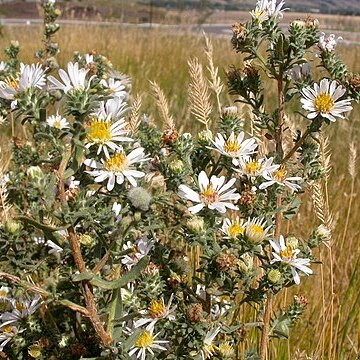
(80, 264)
(278, 218)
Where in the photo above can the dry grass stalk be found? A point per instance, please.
(135, 120)
(199, 93)
(162, 105)
(215, 81)
(325, 156)
(352, 159)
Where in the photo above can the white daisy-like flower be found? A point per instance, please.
(115, 88)
(157, 310)
(30, 76)
(4, 291)
(256, 230)
(328, 43)
(54, 249)
(288, 254)
(117, 167)
(235, 146)
(232, 228)
(266, 9)
(107, 127)
(323, 100)
(20, 309)
(253, 168)
(73, 79)
(7, 332)
(141, 249)
(279, 177)
(213, 194)
(209, 348)
(58, 122)
(146, 342)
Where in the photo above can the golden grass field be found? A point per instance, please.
(331, 327)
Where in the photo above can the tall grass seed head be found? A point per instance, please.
(139, 198)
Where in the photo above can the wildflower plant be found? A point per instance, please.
(122, 240)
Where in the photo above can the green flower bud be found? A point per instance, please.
(35, 173)
(274, 276)
(12, 226)
(86, 240)
(176, 166)
(205, 136)
(139, 198)
(293, 242)
(34, 351)
(195, 224)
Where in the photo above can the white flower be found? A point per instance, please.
(141, 249)
(117, 167)
(4, 291)
(328, 43)
(105, 133)
(39, 240)
(253, 168)
(157, 310)
(209, 347)
(53, 247)
(288, 255)
(235, 146)
(144, 343)
(7, 332)
(213, 194)
(58, 122)
(256, 230)
(279, 177)
(74, 79)
(323, 100)
(115, 88)
(233, 228)
(89, 59)
(266, 9)
(31, 76)
(20, 309)
(72, 183)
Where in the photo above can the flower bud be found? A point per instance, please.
(140, 198)
(195, 224)
(205, 137)
(35, 351)
(292, 242)
(300, 24)
(86, 240)
(274, 276)
(246, 262)
(35, 173)
(12, 226)
(176, 166)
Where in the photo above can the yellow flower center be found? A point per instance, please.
(12, 82)
(226, 350)
(287, 253)
(117, 162)
(99, 131)
(20, 306)
(280, 175)
(7, 329)
(145, 340)
(157, 309)
(3, 293)
(235, 229)
(257, 230)
(324, 103)
(252, 167)
(209, 195)
(57, 124)
(232, 146)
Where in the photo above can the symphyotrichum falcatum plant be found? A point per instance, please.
(120, 240)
